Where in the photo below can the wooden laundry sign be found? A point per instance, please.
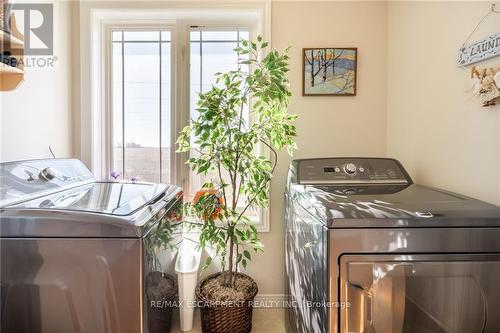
(483, 49)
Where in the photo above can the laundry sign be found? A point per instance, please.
(483, 49)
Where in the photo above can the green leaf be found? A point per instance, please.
(208, 261)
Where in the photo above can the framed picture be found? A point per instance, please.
(329, 71)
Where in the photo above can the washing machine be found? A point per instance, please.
(81, 255)
(368, 250)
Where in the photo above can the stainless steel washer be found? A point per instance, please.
(78, 255)
(367, 250)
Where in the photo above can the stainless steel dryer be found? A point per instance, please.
(367, 250)
(78, 255)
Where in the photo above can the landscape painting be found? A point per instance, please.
(329, 71)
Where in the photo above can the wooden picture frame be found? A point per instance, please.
(323, 77)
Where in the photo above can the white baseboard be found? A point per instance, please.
(277, 301)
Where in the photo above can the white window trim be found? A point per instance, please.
(97, 18)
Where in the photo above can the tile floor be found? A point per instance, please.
(265, 320)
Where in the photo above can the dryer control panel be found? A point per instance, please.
(351, 171)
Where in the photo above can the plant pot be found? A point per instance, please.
(226, 316)
(161, 293)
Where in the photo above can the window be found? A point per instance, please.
(211, 52)
(145, 71)
(141, 94)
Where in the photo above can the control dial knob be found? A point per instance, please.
(47, 174)
(350, 168)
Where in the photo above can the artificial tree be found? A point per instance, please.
(226, 147)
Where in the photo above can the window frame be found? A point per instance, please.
(110, 28)
(104, 164)
(94, 138)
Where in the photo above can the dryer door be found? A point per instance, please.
(420, 293)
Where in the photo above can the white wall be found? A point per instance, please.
(327, 126)
(435, 127)
(38, 113)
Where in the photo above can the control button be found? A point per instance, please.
(361, 169)
(350, 168)
(47, 174)
(337, 169)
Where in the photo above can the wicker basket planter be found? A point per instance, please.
(226, 317)
(160, 287)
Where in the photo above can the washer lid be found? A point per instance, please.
(60, 198)
(98, 210)
(393, 206)
(114, 198)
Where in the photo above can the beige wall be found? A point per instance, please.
(412, 101)
(38, 113)
(328, 126)
(438, 131)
